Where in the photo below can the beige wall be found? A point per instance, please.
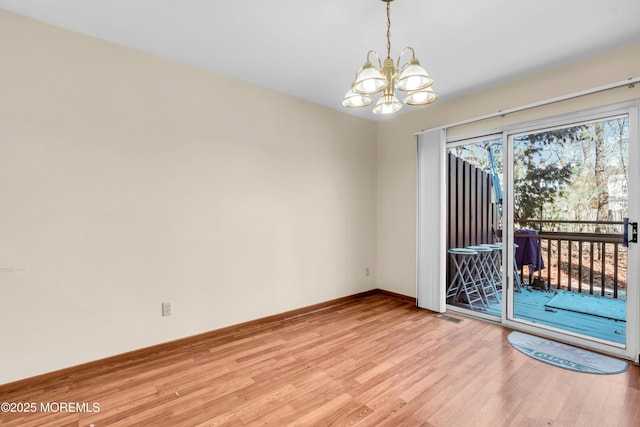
(127, 180)
(397, 144)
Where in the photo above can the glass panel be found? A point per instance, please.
(570, 197)
(474, 226)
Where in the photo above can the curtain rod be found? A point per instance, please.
(628, 82)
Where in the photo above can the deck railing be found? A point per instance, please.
(586, 262)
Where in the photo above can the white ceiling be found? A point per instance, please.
(311, 49)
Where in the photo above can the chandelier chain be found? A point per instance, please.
(388, 29)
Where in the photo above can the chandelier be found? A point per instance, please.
(386, 78)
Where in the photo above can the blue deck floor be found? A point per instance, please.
(538, 307)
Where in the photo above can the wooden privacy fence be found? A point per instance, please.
(472, 213)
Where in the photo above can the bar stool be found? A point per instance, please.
(464, 280)
(495, 262)
(481, 266)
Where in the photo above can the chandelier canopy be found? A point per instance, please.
(387, 77)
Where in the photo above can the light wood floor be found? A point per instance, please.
(375, 361)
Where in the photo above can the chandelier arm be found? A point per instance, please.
(377, 56)
(368, 61)
(413, 56)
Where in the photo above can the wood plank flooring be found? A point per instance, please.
(375, 361)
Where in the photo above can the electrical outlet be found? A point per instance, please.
(167, 308)
(366, 271)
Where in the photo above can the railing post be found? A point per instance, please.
(559, 263)
(549, 263)
(590, 268)
(580, 266)
(615, 270)
(603, 267)
(569, 266)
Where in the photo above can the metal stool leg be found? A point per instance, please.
(484, 276)
(464, 281)
(494, 263)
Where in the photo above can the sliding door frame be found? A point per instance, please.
(453, 143)
(632, 108)
(630, 349)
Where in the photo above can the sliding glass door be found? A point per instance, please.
(571, 188)
(537, 224)
(474, 225)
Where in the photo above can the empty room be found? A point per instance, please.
(364, 212)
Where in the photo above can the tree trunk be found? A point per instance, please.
(601, 177)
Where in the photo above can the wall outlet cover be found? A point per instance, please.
(167, 308)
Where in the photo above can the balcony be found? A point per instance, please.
(578, 284)
(569, 186)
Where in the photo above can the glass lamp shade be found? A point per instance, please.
(387, 104)
(421, 97)
(355, 100)
(369, 80)
(413, 77)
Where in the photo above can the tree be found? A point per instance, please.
(541, 174)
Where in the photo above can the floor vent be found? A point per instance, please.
(448, 318)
